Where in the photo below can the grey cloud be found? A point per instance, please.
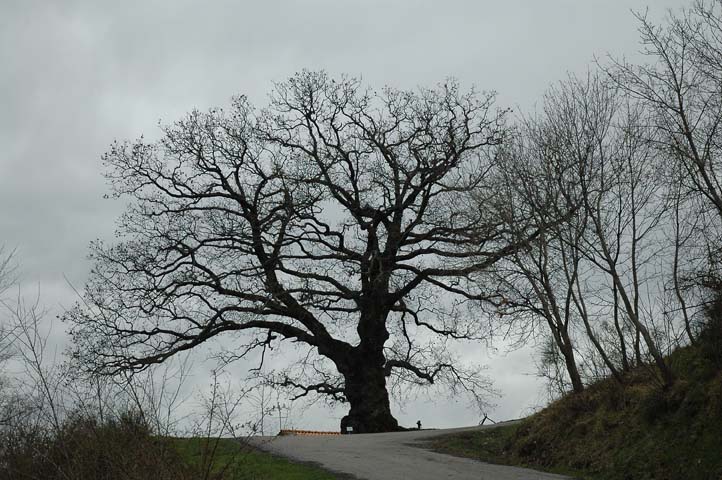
(77, 74)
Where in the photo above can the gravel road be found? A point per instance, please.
(391, 456)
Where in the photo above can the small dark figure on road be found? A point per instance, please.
(418, 425)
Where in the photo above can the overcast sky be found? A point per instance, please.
(74, 75)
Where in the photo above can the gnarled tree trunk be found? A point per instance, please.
(365, 390)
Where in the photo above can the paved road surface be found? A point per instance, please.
(391, 456)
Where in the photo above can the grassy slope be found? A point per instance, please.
(228, 460)
(613, 432)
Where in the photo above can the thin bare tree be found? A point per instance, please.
(589, 152)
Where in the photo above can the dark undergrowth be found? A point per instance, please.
(85, 447)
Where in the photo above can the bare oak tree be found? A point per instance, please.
(346, 220)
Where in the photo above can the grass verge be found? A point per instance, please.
(491, 446)
(227, 459)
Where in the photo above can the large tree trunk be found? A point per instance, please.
(365, 390)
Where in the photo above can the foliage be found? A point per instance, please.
(124, 448)
(711, 335)
(89, 447)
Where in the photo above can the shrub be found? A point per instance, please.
(86, 447)
(710, 337)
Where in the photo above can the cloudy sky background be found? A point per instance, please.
(74, 75)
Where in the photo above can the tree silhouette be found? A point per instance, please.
(351, 221)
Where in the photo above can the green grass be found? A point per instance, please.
(227, 459)
(612, 432)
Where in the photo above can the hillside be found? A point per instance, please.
(609, 431)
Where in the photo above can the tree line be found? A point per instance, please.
(633, 151)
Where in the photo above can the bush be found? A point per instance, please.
(710, 337)
(86, 447)
(657, 404)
